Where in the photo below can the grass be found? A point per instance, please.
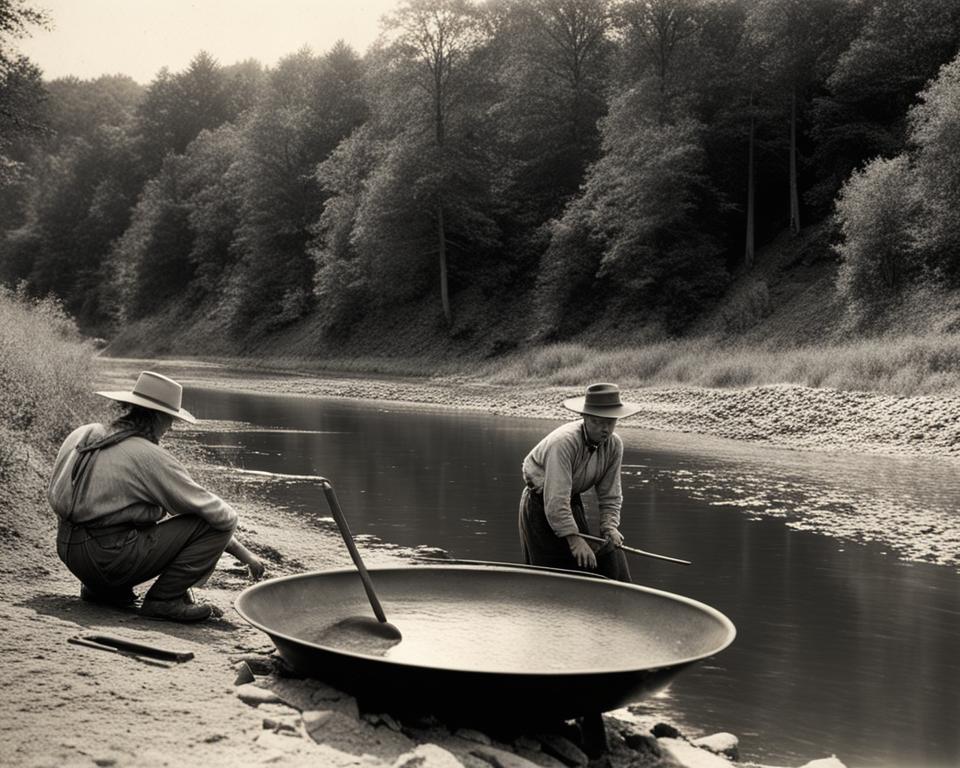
(45, 378)
(908, 365)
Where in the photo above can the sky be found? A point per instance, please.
(90, 38)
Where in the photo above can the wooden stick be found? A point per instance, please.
(638, 551)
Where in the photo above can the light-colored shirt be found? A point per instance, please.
(134, 481)
(563, 464)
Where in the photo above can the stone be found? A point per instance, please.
(244, 674)
(278, 724)
(258, 663)
(352, 735)
(642, 742)
(526, 742)
(314, 719)
(472, 735)
(825, 762)
(563, 749)
(390, 721)
(722, 743)
(665, 731)
(689, 756)
(254, 695)
(427, 756)
(500, 758)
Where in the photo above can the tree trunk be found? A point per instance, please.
(749, 249)
(794, 195)
(442, 242)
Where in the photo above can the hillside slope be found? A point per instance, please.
(786, 299)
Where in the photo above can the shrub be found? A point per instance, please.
(45, 371)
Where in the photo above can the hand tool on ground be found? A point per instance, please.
(143, 652)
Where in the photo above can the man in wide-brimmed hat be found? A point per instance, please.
(572, 459)
(129, 511)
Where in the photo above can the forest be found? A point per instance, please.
(573, 160)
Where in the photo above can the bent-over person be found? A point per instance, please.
(129, 511)
(569, 461)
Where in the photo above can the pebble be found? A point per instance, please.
(563, 749)
(254, 695)
(244, 674)
(725, 744)
(427, 756)
(500, 758)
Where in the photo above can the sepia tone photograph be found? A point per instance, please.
(480, 383)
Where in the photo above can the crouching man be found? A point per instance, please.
(129, 511)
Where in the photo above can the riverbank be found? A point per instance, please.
(111, 710)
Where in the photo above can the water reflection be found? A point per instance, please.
(844, 646)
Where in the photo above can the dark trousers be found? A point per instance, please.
(541, 546)
(181, 551)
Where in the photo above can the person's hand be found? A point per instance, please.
(581, 552)
(615, 538)
(256, 568)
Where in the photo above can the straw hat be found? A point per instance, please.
(602, 400)
(157, 393)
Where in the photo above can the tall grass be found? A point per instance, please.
(45, 375)
(908, 365)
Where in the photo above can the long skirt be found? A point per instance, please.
(541, 546)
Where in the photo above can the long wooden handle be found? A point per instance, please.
(638, 551)
(354, 552)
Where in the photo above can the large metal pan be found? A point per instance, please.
(489, 643)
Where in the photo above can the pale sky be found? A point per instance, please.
(137, 37)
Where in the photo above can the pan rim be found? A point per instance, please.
(722, 619)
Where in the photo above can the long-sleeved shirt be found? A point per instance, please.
(563, 464)
(133, 482)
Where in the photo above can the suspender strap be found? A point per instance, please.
(80, 473)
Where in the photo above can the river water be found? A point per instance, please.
(841, 572)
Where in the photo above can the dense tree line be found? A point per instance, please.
(586, 156)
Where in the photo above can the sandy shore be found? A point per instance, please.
(68, 705)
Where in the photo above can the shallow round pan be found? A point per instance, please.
(487, 643)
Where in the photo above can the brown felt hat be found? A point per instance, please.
(156, 392)
(602, 400)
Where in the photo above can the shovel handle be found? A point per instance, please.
(352, 547)
(638, 551)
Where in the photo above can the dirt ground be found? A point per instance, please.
(70, 705)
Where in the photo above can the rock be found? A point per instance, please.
(258, 663)
(641, 741)
(665, 731)
(427, 756)
(254, 695)
(725, 744)
(353, 735)
(689, 756)
(471, 735)
(312, 694)
(825, 762)
(563, 749)
(244, 674)
(527, 743)
(389, 721)
(277, 724)
(500, 758)
(314, 719)
(277, 709)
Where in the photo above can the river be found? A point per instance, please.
(840, 571)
